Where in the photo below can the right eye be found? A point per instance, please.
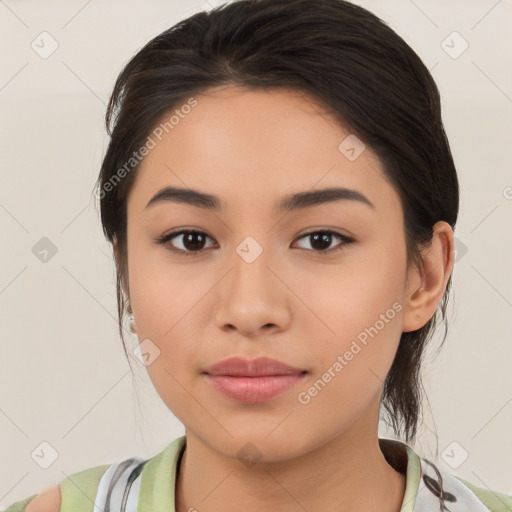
(192, 241)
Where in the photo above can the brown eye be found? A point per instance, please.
(320, 241)
(191, 241)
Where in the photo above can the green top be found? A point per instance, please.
(158, 479)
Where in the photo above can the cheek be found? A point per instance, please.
(346, 298)
(352, 362)
(161, 292)
(165, 298)
(357, 315)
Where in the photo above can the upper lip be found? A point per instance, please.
(240, 367)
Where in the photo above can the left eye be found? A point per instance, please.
(321, 239)
(193, 241)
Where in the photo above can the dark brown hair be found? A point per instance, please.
(337, 53)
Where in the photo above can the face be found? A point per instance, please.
(318, 286)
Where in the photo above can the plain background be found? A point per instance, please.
(63, 374)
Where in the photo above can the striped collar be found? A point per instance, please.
(152, 483)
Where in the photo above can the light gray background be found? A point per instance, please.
(63, 375)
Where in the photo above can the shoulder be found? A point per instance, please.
(74, 493)
(493, 500)
(46, 501)
(78, 490)
(465, 495)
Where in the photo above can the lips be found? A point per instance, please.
(253, 381)
(262, 366)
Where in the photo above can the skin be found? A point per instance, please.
(293, 303)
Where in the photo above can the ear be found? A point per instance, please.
(119, 267)
(426, 285)
(132, 327)
(126, 290)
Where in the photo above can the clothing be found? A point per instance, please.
(142, 485)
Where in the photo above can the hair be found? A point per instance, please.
(337, 53)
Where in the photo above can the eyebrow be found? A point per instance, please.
(298, 200)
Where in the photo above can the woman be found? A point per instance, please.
(280, 195)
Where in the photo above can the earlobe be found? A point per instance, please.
(426, 285)
(130, 317)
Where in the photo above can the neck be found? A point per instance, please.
(344, 474)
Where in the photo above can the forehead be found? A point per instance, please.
(251, 144)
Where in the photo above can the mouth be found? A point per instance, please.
(259, 367)
(253, 381)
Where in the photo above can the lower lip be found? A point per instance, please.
(254, 389)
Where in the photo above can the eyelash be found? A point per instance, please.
(164, 239)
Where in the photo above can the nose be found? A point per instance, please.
(252, 298)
